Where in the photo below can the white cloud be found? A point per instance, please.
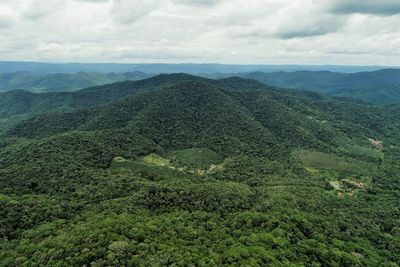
(7, 16)
(229, 31)
(37, 9)
(127, 11)
(198, 2)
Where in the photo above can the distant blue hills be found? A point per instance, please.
(367, 83)
(14, 66)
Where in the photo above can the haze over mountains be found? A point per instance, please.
(378, 87)
(51, 68)
(40, 82)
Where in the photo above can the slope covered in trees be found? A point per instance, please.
(41, 82)
(17, 105)
(378, 87)
(181, 170)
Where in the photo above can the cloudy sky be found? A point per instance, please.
(360, 32)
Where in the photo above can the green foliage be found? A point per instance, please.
(38, 82)
(19, 104)
(155, 159)
(217, 197)
(63, 162)
(321, 160)
(195, 158)
(378, 87)
(200, 173)
(25, 212)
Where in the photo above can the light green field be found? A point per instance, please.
(319, 160)
(157, 160)
(335, 185)
(151, 167)
(195, 158)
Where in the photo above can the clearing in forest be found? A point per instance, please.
(320, 160)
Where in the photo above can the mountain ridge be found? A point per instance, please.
(358, 85)
(203, 172)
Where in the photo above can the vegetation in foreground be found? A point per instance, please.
(201, 173)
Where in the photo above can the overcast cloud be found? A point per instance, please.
(358, 32)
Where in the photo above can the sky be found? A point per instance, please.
(344, 32)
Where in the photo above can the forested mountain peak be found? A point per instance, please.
(258, 174)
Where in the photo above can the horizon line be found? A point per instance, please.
(191, 63)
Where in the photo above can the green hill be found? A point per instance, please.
(383, 94)
(17, 105)
(41, 82)
(378, 87)
(186, 171)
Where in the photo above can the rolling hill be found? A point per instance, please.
(17, 105)
(378, 87)
(41, 82)
(183, 170)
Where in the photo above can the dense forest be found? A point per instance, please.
(44, 82)
(182, 170)
(380, 87)
(377, 87)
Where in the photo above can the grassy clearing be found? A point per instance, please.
(199, 161)
(195, 158)
(335, 185)
(119, 159)
(157, 160)
(319, 160)
(311, 170)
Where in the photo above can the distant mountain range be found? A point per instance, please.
(15, 66)
(378, 87)
(40, 82)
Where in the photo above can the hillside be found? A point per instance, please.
(381, 94)
(40, 82)
(17, 105)
(183, 170)
(378, 87)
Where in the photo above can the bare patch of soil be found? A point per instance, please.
(377, 143)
